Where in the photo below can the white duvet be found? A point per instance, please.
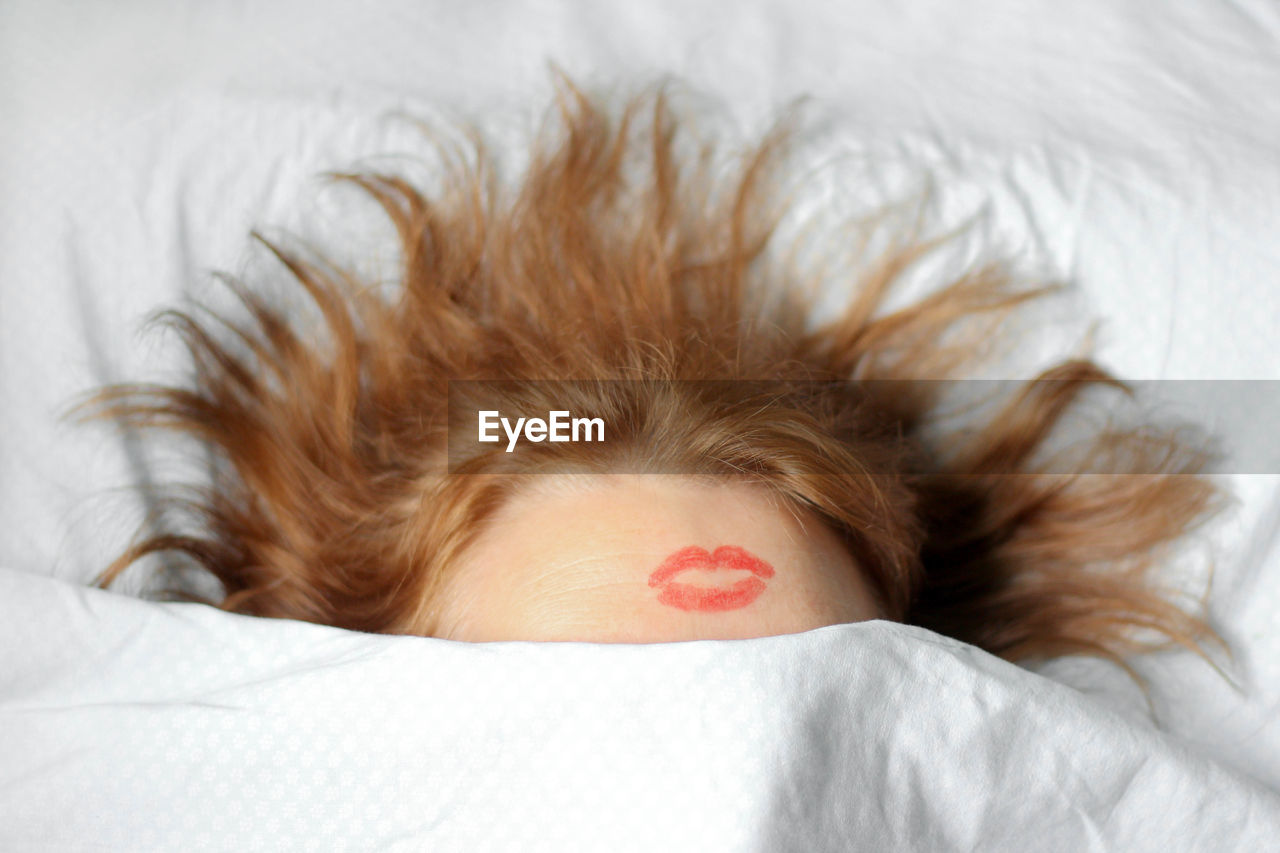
(139, 726)
(1130, 148)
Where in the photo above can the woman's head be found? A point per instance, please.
(626, 280)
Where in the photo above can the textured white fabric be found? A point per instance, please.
(1127, 149)
(177, 727)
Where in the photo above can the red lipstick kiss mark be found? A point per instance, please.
(689, 597)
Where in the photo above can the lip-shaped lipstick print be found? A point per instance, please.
(726, 557)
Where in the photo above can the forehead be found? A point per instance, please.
(584, 559)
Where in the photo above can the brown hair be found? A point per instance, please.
(619, 257)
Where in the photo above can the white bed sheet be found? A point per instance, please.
(178, 727)
(1129, 150)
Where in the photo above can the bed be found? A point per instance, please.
(1127, 151)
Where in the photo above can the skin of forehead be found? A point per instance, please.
(570, 560)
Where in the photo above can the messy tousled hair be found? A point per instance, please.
(623, 253)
